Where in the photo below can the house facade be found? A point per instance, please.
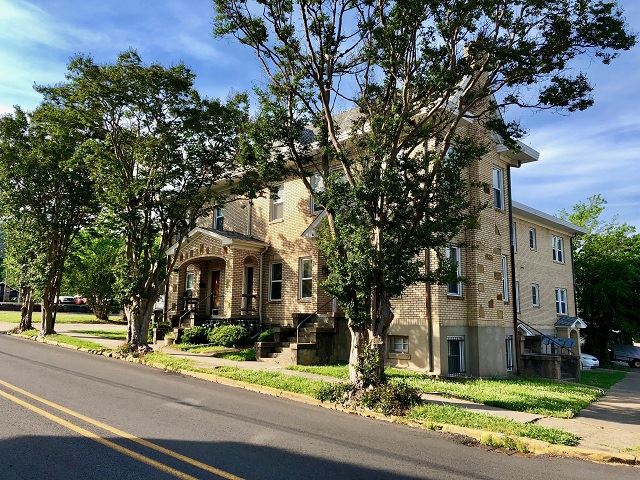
(257, 262)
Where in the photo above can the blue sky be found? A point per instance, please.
(596, 151)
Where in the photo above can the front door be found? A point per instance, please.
(215, 292)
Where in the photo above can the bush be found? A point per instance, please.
(194, 335)
(393, 398)
(334, 393)
(228, 335)
(266, 336)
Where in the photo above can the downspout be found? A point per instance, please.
(260, 275)
(427, 266)
(573, 277)
(165, 310)
(513, 276)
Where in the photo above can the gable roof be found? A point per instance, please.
(570, 322)
(525, 211)
(226, 238)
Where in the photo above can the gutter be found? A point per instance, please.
(573, 277)
(516, 342)
(427, 266)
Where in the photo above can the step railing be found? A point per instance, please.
(308, 317)
(552, 340)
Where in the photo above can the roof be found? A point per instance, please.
(225, 238)
(531, 213)
(570, 322)
(310, 231)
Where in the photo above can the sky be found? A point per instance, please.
(581, 154)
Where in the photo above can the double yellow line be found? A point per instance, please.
(107, 443)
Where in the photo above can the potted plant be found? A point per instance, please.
(169, 338)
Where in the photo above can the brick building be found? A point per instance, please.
(257, 262)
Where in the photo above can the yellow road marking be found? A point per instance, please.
(122, 433)
(107, 443)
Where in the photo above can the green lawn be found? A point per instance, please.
(247, 354)
(451, 415)
(76, 342)
(108, 334)
(187, 347)
(545, 397)
(62, 317)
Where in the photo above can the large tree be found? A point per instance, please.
(157, 150)
(607, 270)
(418, 72)
(46, 196)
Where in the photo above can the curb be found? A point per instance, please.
(496, 439)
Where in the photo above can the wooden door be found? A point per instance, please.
(215, 292)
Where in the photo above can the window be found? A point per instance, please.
(505, 280)
(535, 294)
(190, 282)
(317, 185)
(306, 278)
(517, 297)
(454, 254)
(557, 245)
(514, 236)
(275, 281)
(218, 218)
(398, 344)
(533, 241)
(561, 301)
(509, 351)
(455, 346)
(498, 188)
(276, 212)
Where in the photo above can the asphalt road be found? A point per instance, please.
(229, 431)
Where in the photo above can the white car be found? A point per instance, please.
(588, 361)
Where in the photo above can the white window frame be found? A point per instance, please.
(533, 239)
(457, 257)
(402, 340)
(190, 276)
(277, 201)
(508, 341)
(317, 185)
(218, 218)
(272, 281)
(505, 279)
(514, 236)
(517, 296)
(497, 183)
(562, 305)
(302, 278)
(557, 246)
(535, 298)
(460, 340)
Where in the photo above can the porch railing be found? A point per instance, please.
(248, 303)
(551, 340)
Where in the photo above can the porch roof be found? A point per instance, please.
(570, 322)
(226, 238)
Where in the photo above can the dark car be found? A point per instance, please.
(627, 353)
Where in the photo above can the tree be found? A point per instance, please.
(157, 151)
(94, 269)
(607, 270)
(419, 73)
(46, 197)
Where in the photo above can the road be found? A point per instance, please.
(70, 415)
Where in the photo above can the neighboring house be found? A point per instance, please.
(256, 261)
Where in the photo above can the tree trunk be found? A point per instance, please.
(47, 325)
(26, 312)
(101, 310)
(138, 312)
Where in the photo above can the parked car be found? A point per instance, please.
(588, 361)
(66, 300)
(159, 305)
(80, 300)
(627, 353)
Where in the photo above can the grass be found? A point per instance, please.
(56, 337)
(451, 415)
(108, 334)
(601, 378)
(188, 347)
(544, 397)
(61, 317)
(245, 355)
(257, 377)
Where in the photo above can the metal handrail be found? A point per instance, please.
(307, 318)
(547, 336)
(197, 303)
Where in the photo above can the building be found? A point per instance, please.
(257, 262)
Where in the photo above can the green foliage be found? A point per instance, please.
(368, 367)
(446, 414)
(244, 355)
(194, 335)
(228, 335)
(266, 336)
(601, 378)
(392, 398)
(334, 393)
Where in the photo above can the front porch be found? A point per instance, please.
(215, 278)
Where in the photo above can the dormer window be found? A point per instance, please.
(276, 210)
(218, 218)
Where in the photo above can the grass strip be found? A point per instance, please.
(56, 337)
(245, 355)
(602, 378)
(446, 414)
(108, 334)
(62, 317)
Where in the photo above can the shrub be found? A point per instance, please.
(194, 335)
(228, 335)
(393, 398)
(266, 336)
(334, 393)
